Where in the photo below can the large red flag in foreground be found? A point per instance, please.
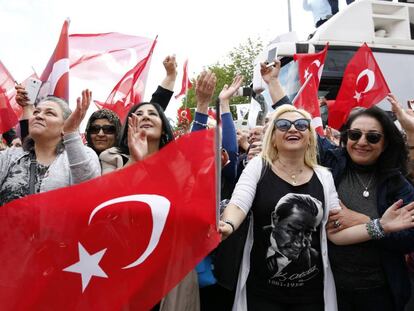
(186, 83)
(310, 67)
(56, 74)
(111, 63)
(362, 85)
(8, 117)
(133, 233)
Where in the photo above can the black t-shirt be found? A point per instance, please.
(285, 262)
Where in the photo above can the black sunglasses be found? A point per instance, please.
(371, 137)
(107, 129)
(300, 124)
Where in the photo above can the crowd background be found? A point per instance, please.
(48, 135)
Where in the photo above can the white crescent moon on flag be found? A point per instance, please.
(116, 67)
(318, 65)
(160, 207)
(371, 79)
(320, 72)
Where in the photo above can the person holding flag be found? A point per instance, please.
(53, 155)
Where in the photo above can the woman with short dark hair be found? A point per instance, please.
(53, 155)
(103, 130)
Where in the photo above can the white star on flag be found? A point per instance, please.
(306, 73)
(87, 266)
(357, 96)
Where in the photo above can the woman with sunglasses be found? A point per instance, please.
(286, 266)
(368, 169)
(103, 130)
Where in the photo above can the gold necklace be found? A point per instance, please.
(292, 174)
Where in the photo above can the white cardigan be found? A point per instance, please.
(243, 197)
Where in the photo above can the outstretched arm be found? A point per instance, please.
(395, 218)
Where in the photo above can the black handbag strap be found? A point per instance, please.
(32, 174)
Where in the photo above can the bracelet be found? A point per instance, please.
(201, 124)
(229, 223)
(410, 147)
(375, 229)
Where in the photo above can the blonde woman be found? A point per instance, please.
(285, 264)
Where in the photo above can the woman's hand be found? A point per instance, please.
(21, 95)
(405, 117)
(137, 140)
(397, 218)
(333, 135)
(205, 86)
(170, 65)
(342, 218)
(271, 73)
(72, 123)
(23, 101)
(225, 230)
(228, 91)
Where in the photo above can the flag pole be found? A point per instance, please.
(218, 161)
(301, 89)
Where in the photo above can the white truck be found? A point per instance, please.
(387, 28)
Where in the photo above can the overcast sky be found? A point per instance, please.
(202, 31)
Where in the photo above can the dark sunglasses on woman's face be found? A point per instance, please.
(371, 137)
(299, 124)
(107, 129)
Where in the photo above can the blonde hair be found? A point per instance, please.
(270, 152)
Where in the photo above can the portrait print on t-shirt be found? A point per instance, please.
(291, 260)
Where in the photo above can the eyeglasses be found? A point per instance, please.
(107, 129)
(300, 124)
(371, 137)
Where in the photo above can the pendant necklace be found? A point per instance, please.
(292, 174)
(365, 193)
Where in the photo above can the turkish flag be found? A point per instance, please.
(184, 114)
(102, 61)
(125, 93)
(8, 117)
(56, 74)
(362, 85)
(132, 234)
(310, 67)
(186, 83)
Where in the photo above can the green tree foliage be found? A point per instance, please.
(239, 60)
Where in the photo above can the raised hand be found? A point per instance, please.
(333, 135)
(405, 117)
(170, 65)
(21, 95)
(137, 140)
(270, 73)
(82, 104)
(397, 218)
(205, 86)
(228, 91)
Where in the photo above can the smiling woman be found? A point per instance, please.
(53, 156)
(146, 132)
(103, 130)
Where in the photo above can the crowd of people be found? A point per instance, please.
(307, 222)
